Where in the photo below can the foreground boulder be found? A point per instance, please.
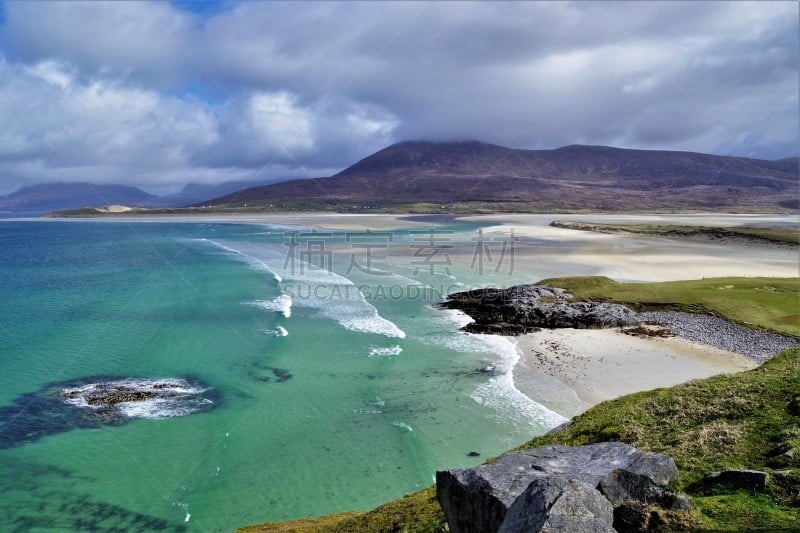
(556, 488)
(526, 308)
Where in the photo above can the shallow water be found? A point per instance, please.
(332, 390)
(334, 384)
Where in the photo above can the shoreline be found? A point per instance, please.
(570, 370)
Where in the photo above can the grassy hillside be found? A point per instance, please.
(746, 420)
(743, 420)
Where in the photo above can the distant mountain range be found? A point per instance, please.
(572, 177)
(54, 196)
(452, 174)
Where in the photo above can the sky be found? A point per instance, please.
(158, 94)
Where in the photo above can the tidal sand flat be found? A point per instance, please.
(639, 258)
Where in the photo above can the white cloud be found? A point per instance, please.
(279, 123)
(145, 93)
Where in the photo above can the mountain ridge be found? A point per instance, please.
(62, 195)
(570, 177)
(74, 195)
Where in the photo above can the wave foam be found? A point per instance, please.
(385, 352)
(338, 298)
(279, 331)
(138, 398)
(280, 304)
(334, 296)
(249, 259)
(500, 392)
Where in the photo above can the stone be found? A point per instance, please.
(631, 516)
(783, 458)
(740, 479)
(556, 503)
(643, 480)
(526, 308)
(480, 499)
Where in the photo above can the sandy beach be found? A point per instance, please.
(332, 221)
(643, 258)
(570, 370)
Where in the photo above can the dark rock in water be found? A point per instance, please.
(281, 374)
(97, 401)
(740, 479)
(473, 454)
(526, 308)
(555, 487)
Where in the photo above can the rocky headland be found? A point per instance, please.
(526, 308)
(529, 308)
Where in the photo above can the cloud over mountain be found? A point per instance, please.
(156, 95)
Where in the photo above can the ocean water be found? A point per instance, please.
(308, 372)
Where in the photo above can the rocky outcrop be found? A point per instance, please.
(526, 308)
(111, 393)
(557, 488)
(754, 480)
(557, 503)
(97, 401)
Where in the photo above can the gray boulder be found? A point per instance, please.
(556, 503)
(558, 485)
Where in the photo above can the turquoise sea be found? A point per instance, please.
(318, 377)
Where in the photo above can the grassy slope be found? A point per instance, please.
(782, 236)
(731, 421)
(738, 421)
(764, 303)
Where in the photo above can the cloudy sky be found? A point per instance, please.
(157, 94)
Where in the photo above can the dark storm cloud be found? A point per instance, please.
(155, 94)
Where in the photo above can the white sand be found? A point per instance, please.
(641, 258)
(333, 221)
(569, 370)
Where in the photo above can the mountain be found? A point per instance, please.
(572, 177)
(58, 196)
(51, 196)
(197, 192)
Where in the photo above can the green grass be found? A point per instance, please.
(731, 421)
(746, 420)
(418, 512)
(775, 235)
(763, 303)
